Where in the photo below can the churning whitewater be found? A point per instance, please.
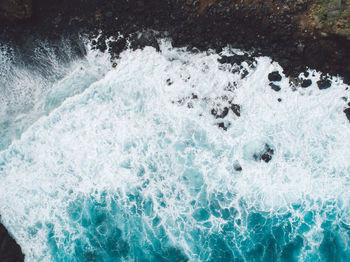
(162, 159)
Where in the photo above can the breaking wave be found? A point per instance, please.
(172, 156)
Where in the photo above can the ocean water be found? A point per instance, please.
(129, 163)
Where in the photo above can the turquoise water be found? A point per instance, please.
(129, 164)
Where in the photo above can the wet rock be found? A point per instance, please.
(244, 73)
(169, 82)
(275, 87)
(116, 47)
(140, 40)
(101, 44)
(222, 125)
(306, 83)
(237, 167)
(237, 60)
(236, 109)
(274, 76)
(265, 155)
(324, 84)
(220, 113)
(347, 113)
(10, 251)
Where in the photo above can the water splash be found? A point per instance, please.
(136, 167)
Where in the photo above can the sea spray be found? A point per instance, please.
(34, 88)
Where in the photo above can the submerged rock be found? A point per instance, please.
(275, 76)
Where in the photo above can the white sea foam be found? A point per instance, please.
(106, 128)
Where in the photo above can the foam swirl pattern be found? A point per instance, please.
(134, 167)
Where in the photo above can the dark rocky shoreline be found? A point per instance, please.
(266, 29)
(249, 25)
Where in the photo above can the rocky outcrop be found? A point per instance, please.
(282, 29)
(10, 251)
(15, 9)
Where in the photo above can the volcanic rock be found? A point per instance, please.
(275, 76)
(10, 251)
(306, 83)
(324, 84)
(275, 87)
(347, 113)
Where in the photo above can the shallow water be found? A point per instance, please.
(129, 164)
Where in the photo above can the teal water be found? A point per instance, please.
(116, 164)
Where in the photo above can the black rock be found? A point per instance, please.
(275, 76)
(144, 39)
(237, 167)
(279, 99)
(169, 82)
(347, 113)
(324, 84)
(237, 59)
(10, 251)
(219, 25)
(275, 87)
(265, 155)
(222, 125)
(223, 113)
(116, 47)
(306, 83)
(244, 73)
(236, 109)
